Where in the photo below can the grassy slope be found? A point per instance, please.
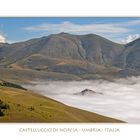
(45, 109)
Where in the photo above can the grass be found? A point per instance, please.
(26, 106)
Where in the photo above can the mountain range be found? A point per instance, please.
(65, 56)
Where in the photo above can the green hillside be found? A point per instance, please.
(26, 106)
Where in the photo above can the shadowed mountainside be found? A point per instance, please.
(72, 56)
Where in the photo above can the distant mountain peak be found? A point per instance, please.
(88, 92)
(63, 33)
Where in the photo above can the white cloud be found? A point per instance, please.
(2, 39)
(114, 31)
(120, 99)
(70, 27)
(133, 22)
(130, 38)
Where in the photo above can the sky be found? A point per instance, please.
(119, 29)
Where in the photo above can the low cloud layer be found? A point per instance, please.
(130, 38)
(120, 99)
(2, 39)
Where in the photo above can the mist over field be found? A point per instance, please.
(119, 99)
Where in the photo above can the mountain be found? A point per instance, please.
(90, 48)
(129, 59)
(69, 57)
(88, 92)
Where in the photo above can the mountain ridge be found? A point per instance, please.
(79, 55)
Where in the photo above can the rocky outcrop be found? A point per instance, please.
(87, 92)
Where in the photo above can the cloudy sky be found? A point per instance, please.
(120, 30)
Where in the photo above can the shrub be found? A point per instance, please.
(8, 84)
(31, 108)
(1, 113)
(18, 105)
(3, 105)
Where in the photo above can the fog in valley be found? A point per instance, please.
(119, 99)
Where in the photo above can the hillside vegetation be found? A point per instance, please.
(26, 106)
